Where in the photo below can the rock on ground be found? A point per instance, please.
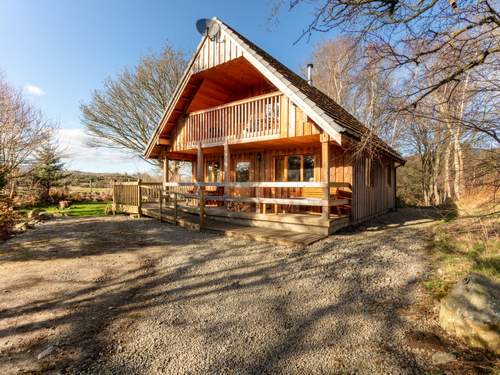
(471, 311)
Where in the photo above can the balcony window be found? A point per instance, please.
(243, 171)
(309, 168)
(294, 168)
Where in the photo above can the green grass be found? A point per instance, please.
(77, 209)
(461, 246)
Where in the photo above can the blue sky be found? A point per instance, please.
(59, 51)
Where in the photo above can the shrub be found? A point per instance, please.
(7, 218)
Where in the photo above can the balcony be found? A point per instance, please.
(252, 119)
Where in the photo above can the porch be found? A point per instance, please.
(198, 205)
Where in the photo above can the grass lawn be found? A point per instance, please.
(461, 246)
(77, 209)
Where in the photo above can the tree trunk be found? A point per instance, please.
(446, 173)
(457, 156)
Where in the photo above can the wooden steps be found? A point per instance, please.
(264, 234)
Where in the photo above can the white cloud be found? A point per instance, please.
(33, 90)
(79, 156)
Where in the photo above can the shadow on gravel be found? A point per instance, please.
(212, 272)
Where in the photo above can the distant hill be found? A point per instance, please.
(102, 180)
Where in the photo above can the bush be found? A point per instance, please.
(7, 218)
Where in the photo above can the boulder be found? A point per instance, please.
(33, 214)
(21, 227)
(471, 312)
(44, 216)
(442, 358)
(64, 204)
(44, 353)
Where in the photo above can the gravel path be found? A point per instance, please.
(116, 295)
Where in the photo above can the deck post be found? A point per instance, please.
(201, 189)
(199, 164)
(202, 208)
(166, 170)
(139, 197)
(114, 198)
(227, 171)
(325, 174)
(175, 208)
(161, 201)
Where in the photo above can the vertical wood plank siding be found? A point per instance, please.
(215, 52)
(370, 201)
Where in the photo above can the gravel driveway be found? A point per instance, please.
(116, 295)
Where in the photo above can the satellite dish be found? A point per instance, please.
(208, 27)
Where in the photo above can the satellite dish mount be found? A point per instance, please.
(209, 28)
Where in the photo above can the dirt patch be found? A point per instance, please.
(121, 295)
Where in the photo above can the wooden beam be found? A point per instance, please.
(270, 184)
(181, 156)
(325, 174)
(163, 142)
(166, 171)
(227, 168)
(200, 165)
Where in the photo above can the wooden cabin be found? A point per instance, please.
(265, 147)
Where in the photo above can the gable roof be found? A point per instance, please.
(322, 109)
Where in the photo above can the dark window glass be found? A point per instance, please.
(214, 172)
(294, 168)
(309, 168)
(243, 171)
(279, 169)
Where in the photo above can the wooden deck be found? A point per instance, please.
(266, 234)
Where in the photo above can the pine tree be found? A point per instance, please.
(49, 170)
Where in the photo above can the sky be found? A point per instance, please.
(58, 52)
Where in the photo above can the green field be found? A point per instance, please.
(77, 209)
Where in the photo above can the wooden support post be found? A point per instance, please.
(175, 208)
(257, 205)
(161, 202)
(227, 170)
(139, 198)
(200, 164)
(166, 170)
(114, 198)
(202, 208)
(325, 174)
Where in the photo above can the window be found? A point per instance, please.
(293, 168)
(309, 168)
(388, 172)
(214, 172)
(279, 169)
(369, 172)
(243, 171)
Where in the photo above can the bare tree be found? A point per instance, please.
(345, 70)
(23, 129)
(125, 112)
(410, 36)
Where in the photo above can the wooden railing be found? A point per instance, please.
(130, 196)
(249, 118)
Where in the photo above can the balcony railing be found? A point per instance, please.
(250, 118)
